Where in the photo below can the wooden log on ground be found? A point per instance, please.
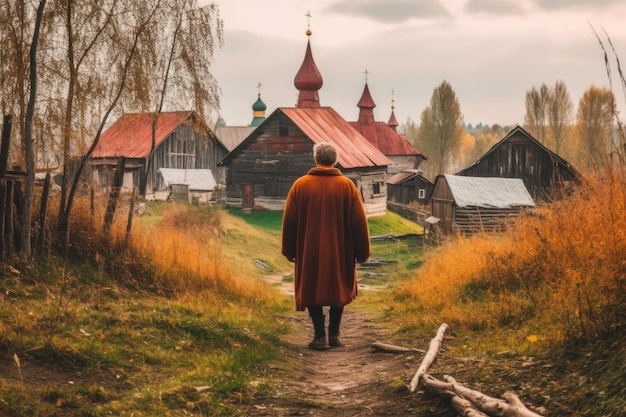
(509, 406)
(385, 347)
(465, 408)
(429, 358)
(462, 406)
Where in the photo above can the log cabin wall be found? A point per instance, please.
(415, 189)
(402, 162)
(373, 187)
(278, 154)
(468, 220)
(271, 161)
(184, 148)
(442, 205)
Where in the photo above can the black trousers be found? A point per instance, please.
(318, 319)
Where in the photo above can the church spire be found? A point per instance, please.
(393, 122)
(366, 105)
(308, 79)
(258, 109)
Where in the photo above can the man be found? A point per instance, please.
(325, 233)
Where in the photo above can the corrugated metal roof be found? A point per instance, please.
(196, 179)
(324, 124)
(131, 135)
(232, 136)
(489, 192)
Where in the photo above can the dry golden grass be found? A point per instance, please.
(175, 249)
(557, 274)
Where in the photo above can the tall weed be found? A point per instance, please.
(559, 271)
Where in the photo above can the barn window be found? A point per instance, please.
(421, 194)
(270, 186)
(283, 128)
(376, 187)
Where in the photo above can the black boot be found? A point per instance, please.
(318, 319)
(333, 326)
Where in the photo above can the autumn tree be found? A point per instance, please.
(441, 129)
(560, 110)
(536, 109)
(99, 59)
(594, 121)
(180, 67)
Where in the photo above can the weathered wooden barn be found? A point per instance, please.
(182, 141)
(470, 204)
(384, 136)
(409, 186)
(262, 168)
(519, 155)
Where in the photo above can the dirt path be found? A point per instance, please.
(352, 380)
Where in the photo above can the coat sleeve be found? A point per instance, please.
(360, 231)
(290, 223)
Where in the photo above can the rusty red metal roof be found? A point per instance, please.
(131, 135)
(385, 138)
(324, 124)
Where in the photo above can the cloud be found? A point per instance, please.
(569, 4)
(391, 11)
(495, 7)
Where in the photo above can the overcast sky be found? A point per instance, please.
(490, 51)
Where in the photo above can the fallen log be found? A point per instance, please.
(429, 357)
(466, 401)
(462, 406)
(385, 347)
(471, 401)
(510, 406)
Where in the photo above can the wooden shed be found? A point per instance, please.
(409, 186)
(519, 155)
(182, 141)
(280, 150)
(471, 204)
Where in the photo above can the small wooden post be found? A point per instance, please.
(43, 216)
(114, 196)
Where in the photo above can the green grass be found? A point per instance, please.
(390, 223)
(265, 219)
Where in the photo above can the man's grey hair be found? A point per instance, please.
(325, 154)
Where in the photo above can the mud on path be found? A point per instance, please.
(352, 380)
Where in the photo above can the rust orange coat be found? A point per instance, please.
(325, 233)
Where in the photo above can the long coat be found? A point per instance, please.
(325, 233)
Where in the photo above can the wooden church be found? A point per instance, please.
(262, 168)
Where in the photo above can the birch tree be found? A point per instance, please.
(537, 100)
(560, 110)
(99, 59)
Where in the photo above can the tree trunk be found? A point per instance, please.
(28, 137)
(43, 216)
